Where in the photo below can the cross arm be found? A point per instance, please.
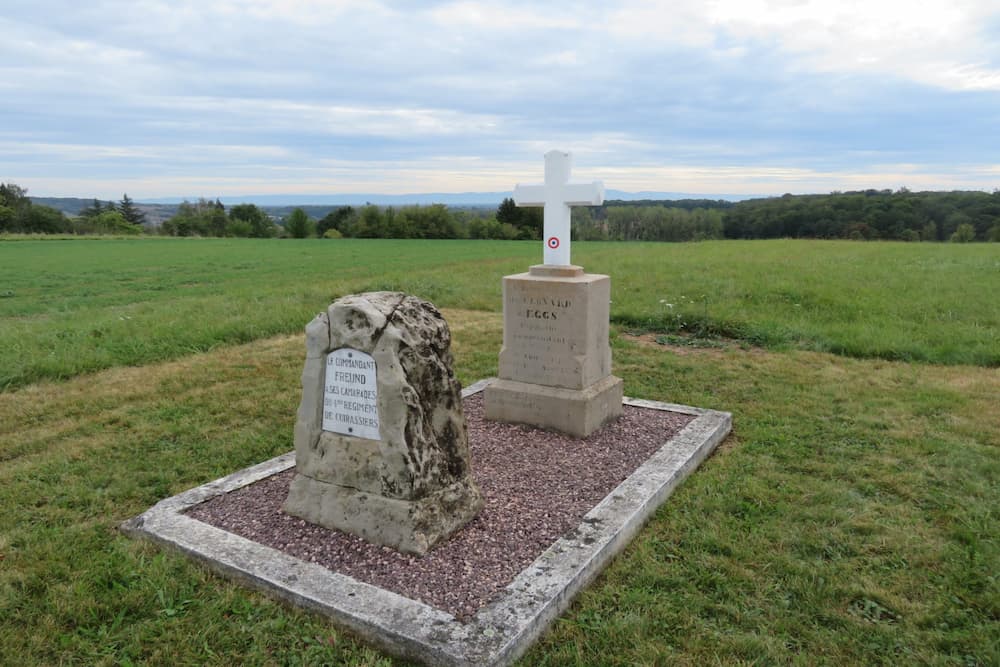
(529, 195)
(583, 194)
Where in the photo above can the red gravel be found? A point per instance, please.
(537, 485)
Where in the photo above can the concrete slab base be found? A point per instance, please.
(503, 630)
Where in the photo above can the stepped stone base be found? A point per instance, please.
(577, 412)
(411, 526)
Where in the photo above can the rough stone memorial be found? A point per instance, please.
(381, 447)
(555, 363)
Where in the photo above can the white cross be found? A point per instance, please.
(557, 195)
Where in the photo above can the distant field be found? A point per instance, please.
(69, 307)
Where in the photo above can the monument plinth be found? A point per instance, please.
(555, 363)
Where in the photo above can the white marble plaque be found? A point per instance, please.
(350, 398)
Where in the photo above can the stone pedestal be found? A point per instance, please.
(555, 363)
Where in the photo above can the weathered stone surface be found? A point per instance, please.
(410, 488)
(576, 412)
(555, 363)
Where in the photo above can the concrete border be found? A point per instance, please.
(503, 630)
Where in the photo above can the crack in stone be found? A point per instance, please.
(342, 486)
(388, 319)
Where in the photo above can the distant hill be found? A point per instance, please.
(68, 205)
(279, 206)
(467, 199)
(155, 213)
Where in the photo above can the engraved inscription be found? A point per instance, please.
(350, 397)
(541, 339)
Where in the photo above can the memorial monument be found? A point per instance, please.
(381, 447)
(555, 362)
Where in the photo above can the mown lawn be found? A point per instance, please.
(852, 518)
(69, 307)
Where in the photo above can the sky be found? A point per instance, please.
(239, 97)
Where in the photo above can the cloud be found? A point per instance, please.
(494, 16)
(336, 95)
(939, 43)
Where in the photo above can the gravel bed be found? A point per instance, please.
(536, 484)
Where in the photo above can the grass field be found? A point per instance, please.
(69, 307)
(852, 518)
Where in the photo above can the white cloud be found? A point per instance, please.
(401, 177)
(730, 179)
(661, 24)
(98, 152)
(505, 16)
(336, 119)
(934, 42)
(681, 95)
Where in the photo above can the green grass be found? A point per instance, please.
(68, 307)
(915, 302)
(851, 519)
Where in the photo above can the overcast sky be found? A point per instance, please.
(226, 97)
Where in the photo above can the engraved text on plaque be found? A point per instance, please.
(350, 398)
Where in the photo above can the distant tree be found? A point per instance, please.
(528, 221)
(508, 212)
(14, 196)
(339, 219)
(238, 228)
(477, 229)
(129, 211)
(190, 220)
(6, 218)
(965, 233)
(114, 222)
(953, 222)
(585, 227)
(532, 222)
(505, 232)
(368, 224)
(96, 208)
(438, 223)
(871, 214)
(298, 224)
(994, 233)
(217, 221)
(491, 229)
(36, 219)
(18, 214)
(203, 218)
(258, 222)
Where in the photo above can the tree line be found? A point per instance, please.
(18, 214)
(206, 218)
(862, 215)
(870, 214)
